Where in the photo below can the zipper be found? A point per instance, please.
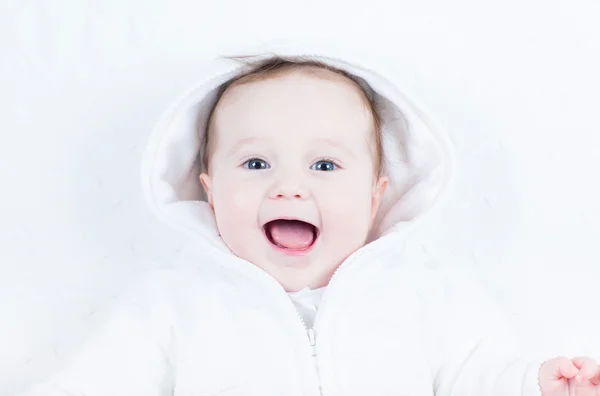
(255, 272)
(311, 332)
(312, 340)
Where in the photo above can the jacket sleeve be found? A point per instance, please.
(473, 349)
(128, 356)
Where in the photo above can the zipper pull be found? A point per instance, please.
(312, 338)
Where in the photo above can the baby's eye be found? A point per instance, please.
(256, 164)
(324, 166)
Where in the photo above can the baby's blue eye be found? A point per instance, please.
(324, 166)
(256, 164)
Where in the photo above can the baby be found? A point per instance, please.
(293, 170)
(312, 171)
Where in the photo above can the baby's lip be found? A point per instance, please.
(314, 224)
(266, 229)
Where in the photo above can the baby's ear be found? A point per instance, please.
(379, 188)
(207, 185)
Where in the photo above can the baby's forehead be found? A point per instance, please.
(308, 76)
(293, 105)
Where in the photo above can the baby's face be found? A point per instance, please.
(294, 147)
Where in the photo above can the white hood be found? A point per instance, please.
(419, 159)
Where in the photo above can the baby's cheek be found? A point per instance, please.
(241, 202)
(348, 214)
(350, 198)
(237, 196)
(229, 209)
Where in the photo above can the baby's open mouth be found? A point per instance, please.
(291, 234)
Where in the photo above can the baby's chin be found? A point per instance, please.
(294, 285)
(295, 272)
(293, 278)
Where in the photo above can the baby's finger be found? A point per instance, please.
(596, 377)
(566, 368)
(557, 368)
(587, 367)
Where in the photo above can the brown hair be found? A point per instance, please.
(277, 65)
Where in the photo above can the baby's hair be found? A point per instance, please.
(262, 69)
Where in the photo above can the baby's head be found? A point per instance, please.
(293, 168)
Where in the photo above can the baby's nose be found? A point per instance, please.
(288, 190)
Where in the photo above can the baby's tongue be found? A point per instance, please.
(292, 234)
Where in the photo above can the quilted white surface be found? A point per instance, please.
(83, 82)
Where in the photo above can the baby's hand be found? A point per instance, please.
(570, 377)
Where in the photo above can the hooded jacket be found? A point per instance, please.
(391, 322)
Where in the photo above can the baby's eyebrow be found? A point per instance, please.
(240, 144)
(335, 144)
(318, 142)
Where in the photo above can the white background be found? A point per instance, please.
(82, 83)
